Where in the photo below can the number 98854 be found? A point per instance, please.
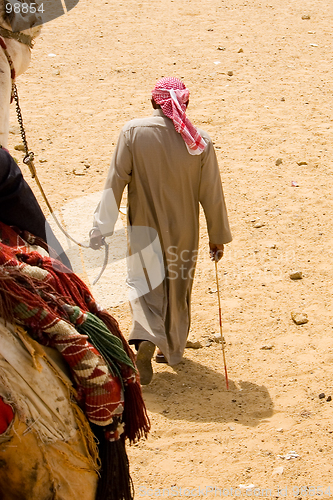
(24, 8)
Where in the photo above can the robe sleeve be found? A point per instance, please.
(119, 176)
(211, 197)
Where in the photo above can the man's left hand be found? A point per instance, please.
(216, 251)
(96, 238)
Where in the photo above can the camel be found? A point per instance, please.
(18, 45)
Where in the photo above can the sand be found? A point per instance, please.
(276, 104)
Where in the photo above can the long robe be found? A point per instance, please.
(165, 186)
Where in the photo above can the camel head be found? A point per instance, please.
(14, 17)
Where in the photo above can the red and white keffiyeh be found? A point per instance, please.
(172, 95)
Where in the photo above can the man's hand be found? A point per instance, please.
(216, 251)
(96, 238)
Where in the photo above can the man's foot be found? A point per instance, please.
(160, 358)
(143, 361)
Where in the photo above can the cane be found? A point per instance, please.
(220, 318)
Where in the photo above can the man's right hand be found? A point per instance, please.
(215, 251)
(96, 238)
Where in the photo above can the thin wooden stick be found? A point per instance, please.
(220, 318)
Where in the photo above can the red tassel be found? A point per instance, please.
(135, 417)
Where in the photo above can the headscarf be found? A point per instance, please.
(172, 95)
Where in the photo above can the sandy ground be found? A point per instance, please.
(276, 104)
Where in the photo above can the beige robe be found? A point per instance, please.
(165, 186)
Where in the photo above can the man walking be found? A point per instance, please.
(170, 168)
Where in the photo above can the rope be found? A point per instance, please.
(29, 161)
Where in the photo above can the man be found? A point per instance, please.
(170, 167)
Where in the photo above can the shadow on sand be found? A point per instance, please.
(197, 393)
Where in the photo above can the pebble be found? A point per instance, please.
(217, 338)
(306, 17)
(289, 455)
(19, 147)
(282, 99)
(42, 160)
(258, 224)
(300, 163)
(221, 48)
(278, 470)
(78, 171)
(299, 318)
(329, 398)
(278, 162)
(240, 51)
(193, 344)
(321, 395)
(266, 347)
(296, 275)
(230, 73)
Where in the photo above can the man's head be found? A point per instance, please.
(171, 95)
(161, 92)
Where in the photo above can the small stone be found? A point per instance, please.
(278, 162)
(230, 73)
(299, 318)
(321, 395)
(282, 99)
(278, 470)
(240, 51)
(42, 160)
(306, 17)
(217, 338)
(193, 344)
(221, 48)
(280, 429)
(258, 224)
(56, 72)
(19, 147)
(300, 163)
(296, 275)
(329, 398)
(231, 428)
(266, 347)
(77, 171)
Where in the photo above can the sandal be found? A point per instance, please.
(160, 358)
(143, 361)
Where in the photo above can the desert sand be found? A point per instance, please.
(259, 73)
